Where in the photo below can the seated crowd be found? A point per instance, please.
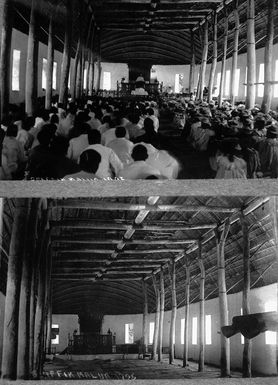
(104, 138)
(94, 139)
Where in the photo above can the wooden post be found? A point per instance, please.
(223, 65)
(145, 317)
(98, 62)
(50, 63)
(201, 365)
(5, 55)
(79, 75)
(63, 97)
(40, 306)
(31, 88)
(88, 47)
(251, 55)
(192, 64)
(157, 318)
(223, 302)
(204, 61)
(161, 320)
(235, 54)
(247, 353)
(75, 69)
(268, 55)
(173, 314)
(10, 335)
(214, 57)
(186, 316)
(23, 356)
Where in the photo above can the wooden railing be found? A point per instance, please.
(91, 343)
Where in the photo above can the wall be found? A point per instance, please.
(258, 297)
(117, 70)
(2, 314)
(67, 324)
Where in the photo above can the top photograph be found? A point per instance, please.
(138, 89)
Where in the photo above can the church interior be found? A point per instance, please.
(177, 287)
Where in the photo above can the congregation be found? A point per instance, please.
(100, 138)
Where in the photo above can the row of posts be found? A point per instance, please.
(159, 290)
(27, 322)
(84, 56)
(251, 56)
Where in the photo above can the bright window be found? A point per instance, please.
(54, 84)
(44, 72)
(227, 82)
(237, 81)
(260, 87)
(177, 83)
(275, 89)
(85, 79)
(271, 337)
(208, 329)
(151, 334)
(129, 333)
(16, 70)
(182, 330)
(194, 330)
(107, 81)
(55, 332)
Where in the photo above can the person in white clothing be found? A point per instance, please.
(79, 144)
(139, 169)
(150, 114)
(122, 146)
(110, 135)
(110, 164)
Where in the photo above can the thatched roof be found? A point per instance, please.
(102, 248)
(154, 31)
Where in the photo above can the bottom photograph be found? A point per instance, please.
(139, 288)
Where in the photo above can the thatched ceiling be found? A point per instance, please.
(102, 249)
(132, 30)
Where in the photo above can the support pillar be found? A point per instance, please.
(192, 65)
(201, 365)
(63, 96)
(186, 316)
(173, 314)
(161, 320)
(5, 56)
(268, 55)
(23, 356)
(223, 65)
(50, 63)
(145, 317)
(157, 317)
(214, 57)
(235, 54)
(75, 69)
(251, 55)
(31, 87)
(204, 61)
(220, 237)
(10, 337)
(247, 350)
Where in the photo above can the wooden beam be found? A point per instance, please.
(55, 240)
(157, 319)
(10, 330)
(90, 224)
(235, 54)
(201, 364)
(170, 2)
(251, 55)
(186, 316)
(247, 352)
(161, 319)
(145, 317)
(204, 61)
(268, 55)
(220, 237)
(111, 206)
(159, 261)
(214, 56)
(223, 65)
(50, 63)
(172, 266)
(129, 252)
(192, 64)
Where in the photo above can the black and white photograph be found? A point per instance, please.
(139, 89)
(180, 288)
